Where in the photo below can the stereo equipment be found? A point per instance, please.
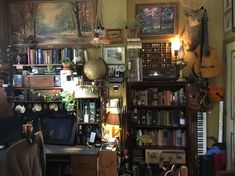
(165, 73)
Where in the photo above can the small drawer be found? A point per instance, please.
(84, 161)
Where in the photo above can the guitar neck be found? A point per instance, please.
(205, 38)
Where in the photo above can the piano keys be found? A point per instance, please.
(201, 133)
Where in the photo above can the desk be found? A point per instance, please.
(71, 160)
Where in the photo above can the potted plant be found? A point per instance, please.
(68, 99)
(133, 27)
(66, 62)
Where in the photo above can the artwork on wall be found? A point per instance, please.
(52, 22)
(157, 20)
(115, 35)
(114, 55)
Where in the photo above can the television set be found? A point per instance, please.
(59, 130)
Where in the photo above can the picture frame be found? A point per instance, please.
(115, 35)
(158, 20)
(227, 5)
(228, 21)
(114, 55)
(55, 22)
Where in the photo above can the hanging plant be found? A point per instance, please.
(90, 88)
(68, 99)
(42, 95)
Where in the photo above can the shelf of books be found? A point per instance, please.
(52, 55)
(157, 122)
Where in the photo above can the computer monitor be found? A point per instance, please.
(59, 130)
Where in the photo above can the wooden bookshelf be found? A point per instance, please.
(157, 119)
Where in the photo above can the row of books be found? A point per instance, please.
(153, 96)
(161, 137)
(53, 56)
(154, 117)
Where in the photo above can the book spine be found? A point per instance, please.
(39, 51)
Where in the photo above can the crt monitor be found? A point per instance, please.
(59, 130)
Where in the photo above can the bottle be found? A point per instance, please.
(148, 115)
(139, 135)
(80, 136)
(182, 119)
(143, 119)
(86, 115)
(135, 117)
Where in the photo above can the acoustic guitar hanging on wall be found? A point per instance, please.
(206, 62)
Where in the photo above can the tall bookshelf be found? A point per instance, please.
(157, 122)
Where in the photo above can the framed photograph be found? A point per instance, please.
(114, 55)
(227, 5)
(52, 22)
(158, 20)
(115, 35)
(228, 21)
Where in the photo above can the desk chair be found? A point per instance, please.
(24, 158)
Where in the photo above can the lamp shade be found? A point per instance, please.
(112, 119)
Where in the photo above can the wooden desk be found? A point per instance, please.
(77, 161)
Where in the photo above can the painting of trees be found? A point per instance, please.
(157, 19)
(53, 22)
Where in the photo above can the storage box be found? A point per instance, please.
(39, 81)
(168, 156)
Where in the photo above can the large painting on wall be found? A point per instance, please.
(52, 22)
(158, 19)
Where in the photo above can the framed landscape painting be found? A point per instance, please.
(114, 55)
(52, 22)
(157, 20)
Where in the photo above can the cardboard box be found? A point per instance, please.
(39, 81)
(107, 163)
(168, 156)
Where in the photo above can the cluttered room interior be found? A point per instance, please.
(117, 88)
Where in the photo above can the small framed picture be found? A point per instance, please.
(114, 55)
(115, 35)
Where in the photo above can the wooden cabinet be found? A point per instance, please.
(71, 160)
(157, 122)
(156, 55)
(89, 116)
(83, 165)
